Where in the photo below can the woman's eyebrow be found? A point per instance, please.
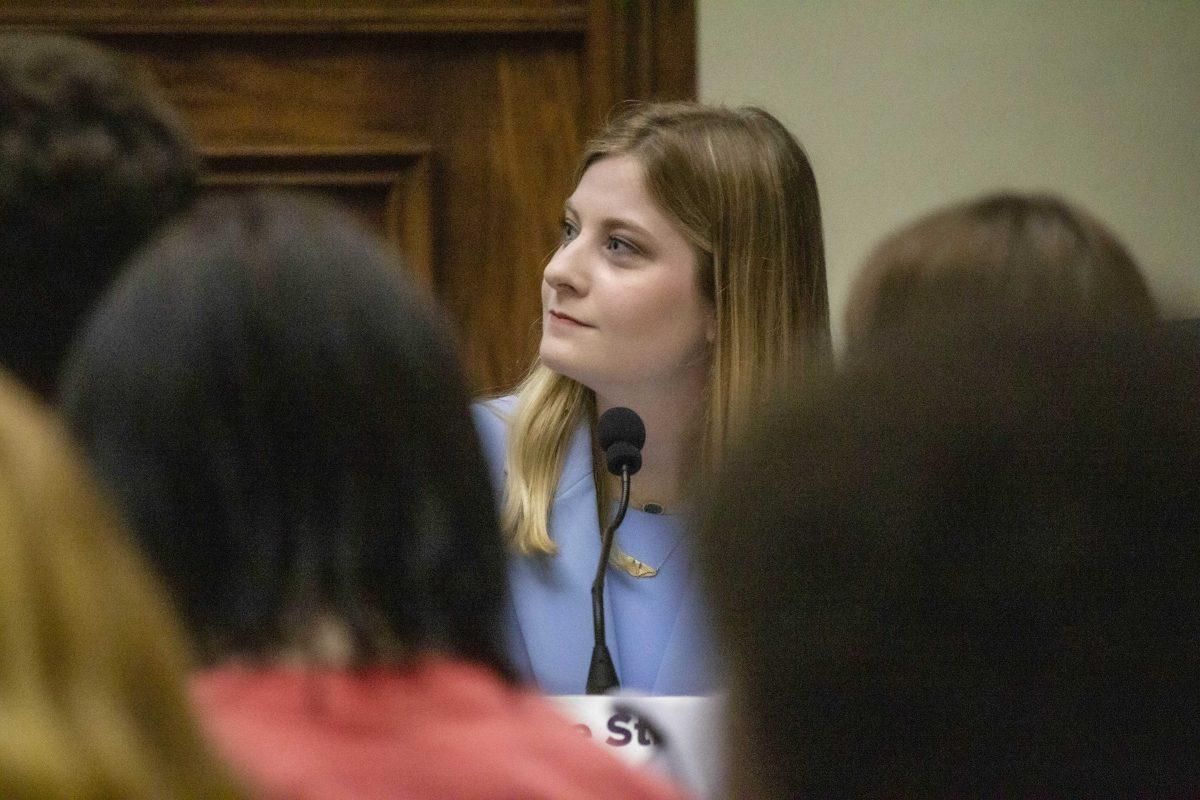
(608, 223)
(628, 224)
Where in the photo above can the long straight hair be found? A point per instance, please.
(741, 190)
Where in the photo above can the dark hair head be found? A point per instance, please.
(92, 161)
(1002, 253)
(968, 568)
(288, 430)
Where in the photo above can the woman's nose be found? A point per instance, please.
(566, 270)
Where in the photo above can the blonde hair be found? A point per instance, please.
(92, 669)
(741, 190)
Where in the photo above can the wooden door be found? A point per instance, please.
(451, 127)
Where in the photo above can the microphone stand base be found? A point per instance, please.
(602, 675)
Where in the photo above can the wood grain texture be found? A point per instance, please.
(126, 16)
(383, 183)
(451, 127)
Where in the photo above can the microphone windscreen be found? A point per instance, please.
(622, 455)
(620, 424)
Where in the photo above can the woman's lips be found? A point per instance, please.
(567, 319)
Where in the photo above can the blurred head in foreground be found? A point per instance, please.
(1029, 256)
(92, 669)
(287, 427)
(92, 162)
(969, 568)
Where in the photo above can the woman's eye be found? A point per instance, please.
(567, 231)
(618, 246)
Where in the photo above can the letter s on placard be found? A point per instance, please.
(617, 726)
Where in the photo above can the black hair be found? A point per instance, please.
(92, 162)
(287, 427)
(967, 566)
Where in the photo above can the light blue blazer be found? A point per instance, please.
(548, 618)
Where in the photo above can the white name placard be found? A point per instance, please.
(682, 737)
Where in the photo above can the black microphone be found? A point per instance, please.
(621, 435)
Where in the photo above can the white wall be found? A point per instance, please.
(906, 106)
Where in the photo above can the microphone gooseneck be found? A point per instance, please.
(621, 435)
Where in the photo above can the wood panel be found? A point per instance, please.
(384, 183)
(451, 126)
(263, 16)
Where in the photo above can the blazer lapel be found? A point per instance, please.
(688, 660)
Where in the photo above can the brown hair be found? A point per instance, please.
(1001, 253)
(967, 568)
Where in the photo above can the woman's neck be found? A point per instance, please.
(671, 451)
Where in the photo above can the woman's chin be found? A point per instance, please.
(561, 369)
(563, 366)
(552, 355)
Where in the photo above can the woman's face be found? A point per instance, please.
(621, 304)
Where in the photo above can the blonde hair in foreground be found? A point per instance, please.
(92, 670)
(741, 190)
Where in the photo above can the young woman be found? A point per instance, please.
(690, 275)
(288, 428)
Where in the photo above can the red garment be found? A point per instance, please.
(440, 729)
